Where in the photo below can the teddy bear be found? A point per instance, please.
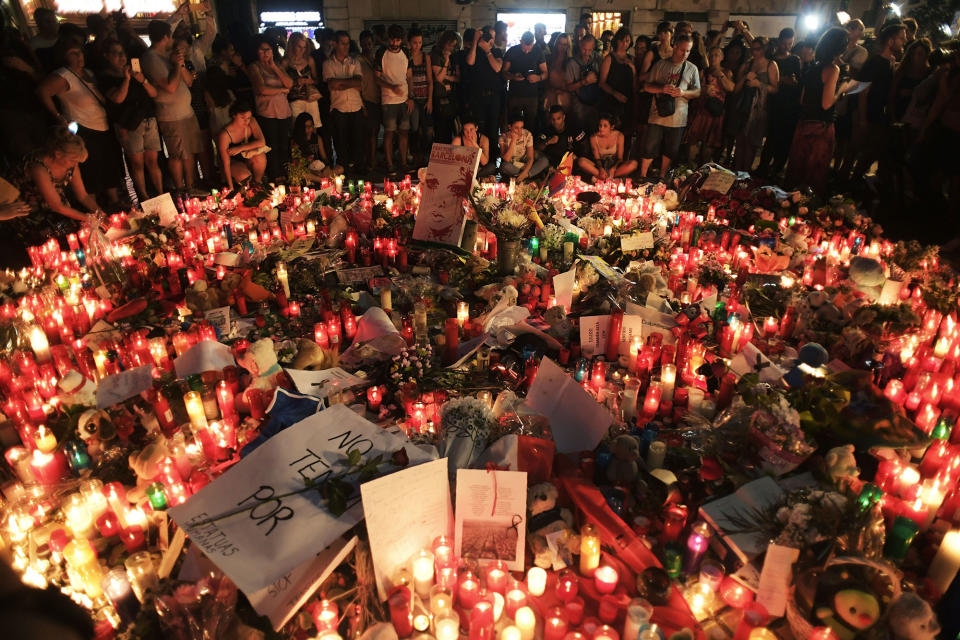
(841, 465)
(261, 361)
(146, 463)
(312, 357)
(550, 532)
(560, 324)
(910, 617)
(868, 275)
(623, 469)
(201, 298)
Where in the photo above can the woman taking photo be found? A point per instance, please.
(556, 92)
(471, 137)
(130, 105)
(83, 103)
(815, 138)
(300, 66)
(758, 78)
(241, 146)
(43, 179)
(706, 123)
(606, 146)
(271, 85)
(617, 74)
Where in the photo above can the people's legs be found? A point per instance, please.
(626, 168)
(487, 170)
(153, 168)
(258, 165)
(403, 124)
(271, 136)
(587, 166)
(354, 138)
(540, 163)
(205, 156)
(239, 169)
(651, 147)
(174, 142)
(508, 169)
(671, 147)
(283, 157)
(136, 163)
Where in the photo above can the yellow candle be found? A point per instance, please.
(668, 379)
(194, 404)
(79, 516)
(526, 623)
(282, 277)
(589, 550)
(463, 312)
(536, 581)
(39, 344)
(100, 359)
(510, 632)
(82, 559)
(44, 439)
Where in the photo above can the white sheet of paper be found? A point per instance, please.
(577, 422)
(636, 241)
(282, 599)
(594, 329)
(161, 206)
(258, 546)
(744, 362)
(491, 516)
(563, 288)
(219, 318)
(719, 181)
(405, 511)
(126, 384)
(890, 294)
(653, 321)
(206, 355)
(775, 578)
(320, 383)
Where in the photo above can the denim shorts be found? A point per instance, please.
(146, 137)
(662, 140)
(396, 116)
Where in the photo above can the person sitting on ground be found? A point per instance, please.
(606, 147)
(516, 149)
(560, 137)
(470, 136)
(242, 146)
(307, 141)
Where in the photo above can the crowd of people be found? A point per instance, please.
(88, 108)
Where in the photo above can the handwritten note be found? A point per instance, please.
(360, 274)
(491, 511)
(636, 241)
(405, 511)
(161, 206)
(321, 383)
(577, 422)
(118, 387)
(206, 355)
(594, 330)
(775, 578)
(653, 321)
(720, 180)
(256, 521)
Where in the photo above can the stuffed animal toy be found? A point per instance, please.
(201, 298)
(560, 325)
(849, 611)
(550, 532)
(624, 467)
(868, 275)
(841, 465)
(313, 357)
(261, 361)
(910, 617)
(75, 389)
(95, 428)
(811, 357)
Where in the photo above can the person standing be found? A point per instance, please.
(676, 78)
(344, 77)
(524, 67)
(851, 61)
(871, 122)
(813, 141)
(393, 76)
(301, 67)
(540, 34)
(759, 78)
(271, 85)
(483, 63)
(446, 81)
(706, 123)
(48, 29)
(421, 92)
(784, 107)
(583, 83)
(176, 120)
(370, 93)
(617, 74)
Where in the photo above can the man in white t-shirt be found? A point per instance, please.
(176, 120)
(393, 76)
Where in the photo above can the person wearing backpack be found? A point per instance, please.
(583, 82)
(673, 83)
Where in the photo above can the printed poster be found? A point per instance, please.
(447, 182)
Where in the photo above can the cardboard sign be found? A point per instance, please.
(447, 182)
(161, 206)
(577, 422)
(491, 516)
(118, 387)
(405, 511)
(258, 522)
(594, 329)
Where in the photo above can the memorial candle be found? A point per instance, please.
(463, 312)
(554, 624)
(589, 549)
(400, 601)
(283, 279)
(527, 623)
(637, 616)
(468, 591)
(194, 405)
(497, 577)
(452, 334)
(605, 579)
(39, 344)
(514, 600)
(117, 587)
(481, 621)
(422, 569)
(536, 581)
(82, 559)
(945, 564)
(325, 616)
(651, 403)
(613, 333)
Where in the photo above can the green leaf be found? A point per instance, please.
(354, 457)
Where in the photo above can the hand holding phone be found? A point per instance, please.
(135, 65)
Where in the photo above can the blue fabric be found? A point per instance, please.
(286, 409)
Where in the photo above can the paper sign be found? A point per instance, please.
(719, 180)
(161, 206)
(563, 288)
(578, 423)
(890, 294)
(256, 522)
(636, 241)
(745, 362)
(603, 268)
(491, 516)
(405, 511)
(775, 578)
(219, 318)
(296, 249)
(653, 322)
(126, 384)
(594, 329)
(360, 274)
(206, 355)
(321, 383)
(282, 599)
(450, 173)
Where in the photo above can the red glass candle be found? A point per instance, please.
(108, 524)
(514, 599)
(401, 610)
(374, 398)
(326, 616)
(555, 624)
(496, 577)
(468, 592)
(133, 538)
(605, 579)
(452, 334)
(481, 621)
(568, 584)
(574, 611)
(225, 400)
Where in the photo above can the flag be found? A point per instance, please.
(559, 178)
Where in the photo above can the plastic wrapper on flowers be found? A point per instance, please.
(203, 610)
